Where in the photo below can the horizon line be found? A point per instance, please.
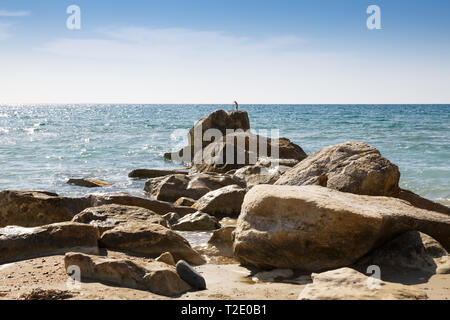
(207, 103)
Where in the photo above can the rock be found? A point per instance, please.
(183, 201)
(166, 257)
(227, 221)
(173, 187)
(314, 228)
(171, 217)
(411, 250)
(223, 239)
(348, 284)
(422, 203)
(149, 240)
(159, 207)
(35, 208)
(261, 173)
(111, 215)
(19, 243)
(184, 155)
(273, 275)
(198, 221)
(152, 173)
(270, 162)
(349, 167)
(240, 149)
(219, 249)
(188, 274)
(156, 277)
(89, 183)
(223, 202)
(221, 121)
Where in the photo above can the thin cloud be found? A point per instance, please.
(163, 44)
(6, 13)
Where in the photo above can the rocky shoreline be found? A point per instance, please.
(310, 224)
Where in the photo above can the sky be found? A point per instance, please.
(218, 51)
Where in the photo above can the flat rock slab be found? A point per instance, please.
(159, 207)
(348, 284)
(150, 240)
(89, 183)
(188, 274)
(152, 173)
(18, 243)
(36, 208)
(156, 277)
(111, 215)
(313, 228)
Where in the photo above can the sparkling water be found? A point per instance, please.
(42, 146)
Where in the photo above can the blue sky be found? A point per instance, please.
(217, 51)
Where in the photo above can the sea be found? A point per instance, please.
(42, 146)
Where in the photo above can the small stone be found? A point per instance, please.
(188, 274)
(167, 258)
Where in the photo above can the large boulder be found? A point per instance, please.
(313, 228)
(349, 167)
(219, 121)
(348, 284)
(35, 208)
(19, 243)
(198, 221)
(410, 250)
(149, 240)
(111, 215)
(173, 187)
(223, 202)
(152, 173)
(154, 276)
(240, 149)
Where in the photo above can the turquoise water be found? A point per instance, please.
(42, 146)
